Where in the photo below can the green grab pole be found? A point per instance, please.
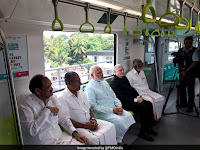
(147, 7)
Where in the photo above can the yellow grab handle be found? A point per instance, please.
(173, 34)
(136, 31)
(56, 18)
(197, 27)
(168, 12)
(86, 30)
(147, 7)
(168, 33)
(125, 32)
(185, 20)
(54, 23)
(155, 33)
(162, 33)
(107, 26)
(190, 24)
(147, 31)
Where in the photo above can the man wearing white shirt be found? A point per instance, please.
(99, 132)
(138, 81)
(39, 117)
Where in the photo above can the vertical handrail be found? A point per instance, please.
(13, 95)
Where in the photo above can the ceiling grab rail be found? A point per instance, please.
(155, 32)
(108, 22)
(87, 21)
(168, 12)
(197, 27)
(55, 4)
(147, 7)
(182, 18)
(190, 19)
(124, 30)
(137, 31)
(12, 88)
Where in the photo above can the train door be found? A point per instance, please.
(9, 130)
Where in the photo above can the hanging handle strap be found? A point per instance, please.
(162, 33)
(190, 19)
(55, 3)
(86, 21)
(124, 31)
(156, 32)
(147, 7)
(108, 22)
(147, 30)
(182, 18)
(168, 12)
(137, 31)
(197, 30)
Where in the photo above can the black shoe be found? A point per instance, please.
(146, 137)
(189, 110)
(152, 132)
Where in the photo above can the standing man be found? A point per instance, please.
(105, 105)
(138, 81)
(187, 73)
(39, 117)
(98, 132)
(131, 101)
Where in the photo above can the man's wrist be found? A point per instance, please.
(92, 118)
(74, 133)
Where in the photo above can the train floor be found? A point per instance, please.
(173, 129)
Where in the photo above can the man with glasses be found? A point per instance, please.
(138, 81)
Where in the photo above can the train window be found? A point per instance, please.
(72, 51)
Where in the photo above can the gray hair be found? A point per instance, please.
(92, 69)
(116, 67)
(136, 61)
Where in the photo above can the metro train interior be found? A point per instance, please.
(52, 37)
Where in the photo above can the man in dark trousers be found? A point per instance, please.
(131, 101)
(190, 60)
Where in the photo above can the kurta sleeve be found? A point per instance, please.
(64, 116)
(90, 93)
(31, 122)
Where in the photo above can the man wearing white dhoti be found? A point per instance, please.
(98, 132)
(39, 117)
(105, 105)
(138, 81)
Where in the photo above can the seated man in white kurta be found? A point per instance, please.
(98, 132)
(105, 105)
(39, 117)
(138, 81)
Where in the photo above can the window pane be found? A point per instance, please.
(71, 51)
